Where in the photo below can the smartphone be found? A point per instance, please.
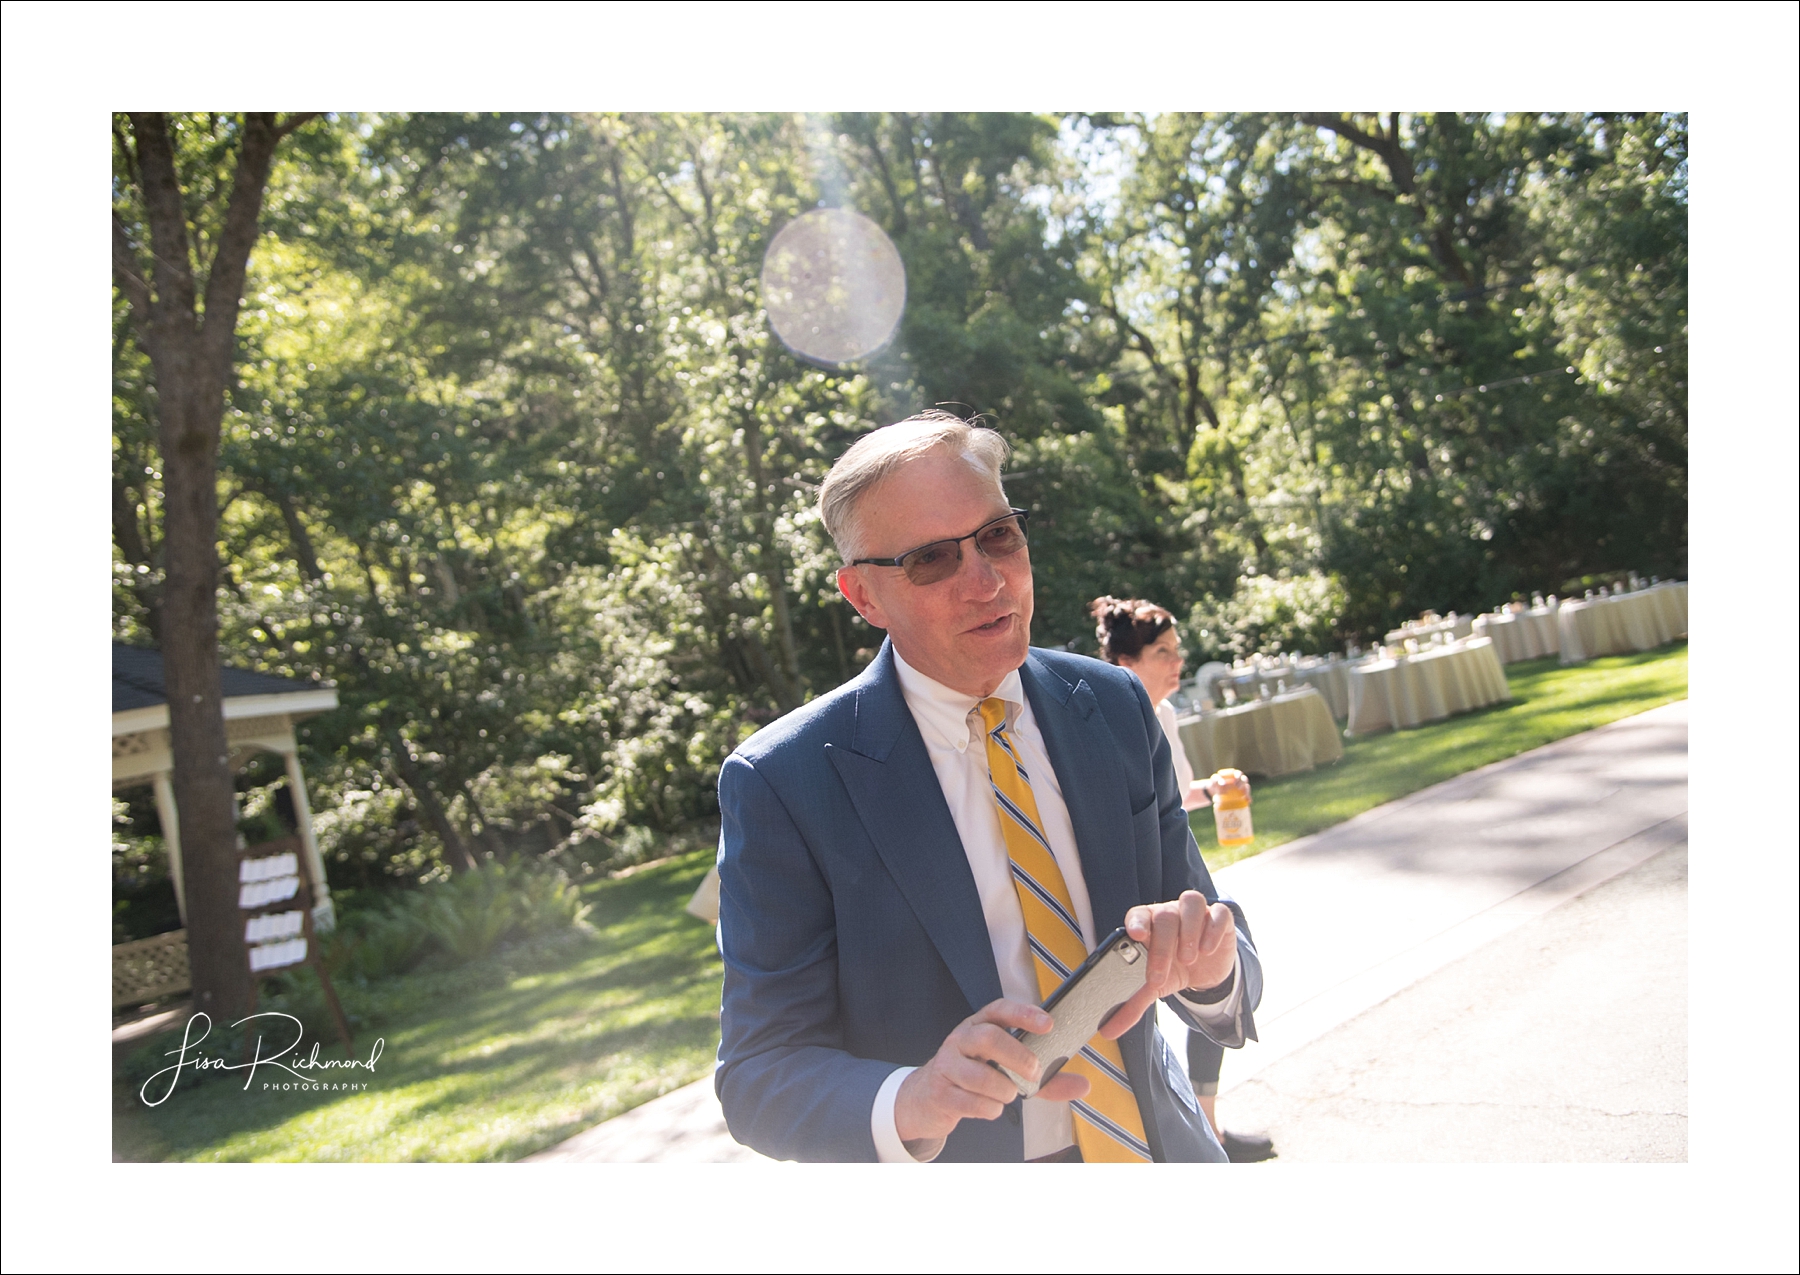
(1111, 975)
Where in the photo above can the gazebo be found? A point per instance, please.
(260, 712)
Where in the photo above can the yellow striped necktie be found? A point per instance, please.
(1108, 1126)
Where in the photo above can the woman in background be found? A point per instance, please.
(1140, 636)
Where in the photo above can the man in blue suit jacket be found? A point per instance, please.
(865, 946)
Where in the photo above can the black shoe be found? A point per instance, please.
(1247, 1148)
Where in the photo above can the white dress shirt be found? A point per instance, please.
(956, 743)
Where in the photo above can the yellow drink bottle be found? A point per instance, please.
(1231, 808)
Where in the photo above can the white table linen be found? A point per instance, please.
(1408, 690)
(1329, 675)
(1331, 678)
(1277, 736)
(1521, 635)
(1637, 621)
(1457, 626)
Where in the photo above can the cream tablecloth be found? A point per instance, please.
(1626, 622)
(1276, 736)
(1521, 635)
(1247, 683)
(1457, 626)
(1331, 678)
(1410, 689)
(1329, 675)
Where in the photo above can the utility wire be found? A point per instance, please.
(1526, 379)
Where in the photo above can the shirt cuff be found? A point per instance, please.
(888, 1147)
(1219, 1013)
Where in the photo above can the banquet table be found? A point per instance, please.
(1329, 675)
(1275, 736)
(1331, 678)
(1457, 626)
(1408, 690)
(1521, 635)
(1624, 622)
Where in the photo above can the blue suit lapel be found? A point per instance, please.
(1086, 759)
(888, 776)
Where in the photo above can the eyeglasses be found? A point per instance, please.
(939, 560)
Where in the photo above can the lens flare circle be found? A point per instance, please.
(834, 286)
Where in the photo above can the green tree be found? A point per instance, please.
(187, 195)
(1346, 320)
(1188, 273)
(513, 457)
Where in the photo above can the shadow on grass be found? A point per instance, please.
(454, 1069)
(626, 1015)
(514, 1053)
(614, 991)
(649, 1043)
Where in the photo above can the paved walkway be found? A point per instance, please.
(1440, 984)
(1565, 1040)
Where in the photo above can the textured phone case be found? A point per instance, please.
(1105, 981)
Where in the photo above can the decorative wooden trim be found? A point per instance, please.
(296, 704)
(149, 969)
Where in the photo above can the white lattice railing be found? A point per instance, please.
(138, 743)
(150, 968)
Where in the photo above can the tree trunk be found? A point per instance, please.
(190, 646)
(1386, 146)
(786, 685)
(456, 850)
(137, 554)
(191, 341)
(871, 138)
(304, 557)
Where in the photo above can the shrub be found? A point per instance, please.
(467, 915)
(373, 943)
(456, 920)
(1268, 614)
(548, 901)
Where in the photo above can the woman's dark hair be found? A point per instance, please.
(1125, 626)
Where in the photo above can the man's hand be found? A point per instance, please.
(957, 1084)
(1192, 948)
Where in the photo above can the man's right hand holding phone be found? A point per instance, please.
(957, 1083)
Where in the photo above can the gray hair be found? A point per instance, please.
(880, 452)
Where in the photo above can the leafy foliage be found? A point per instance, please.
(514, 460)
(1268, 614)
(454, 920)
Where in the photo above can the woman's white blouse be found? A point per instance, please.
(1184, 770)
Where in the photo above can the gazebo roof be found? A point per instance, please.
(140, 698)
(259, 711)
(138, 680)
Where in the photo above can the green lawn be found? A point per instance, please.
(1549, 702)
(511, 1054)
(487, 1062)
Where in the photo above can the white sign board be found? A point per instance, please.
(276, 939)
